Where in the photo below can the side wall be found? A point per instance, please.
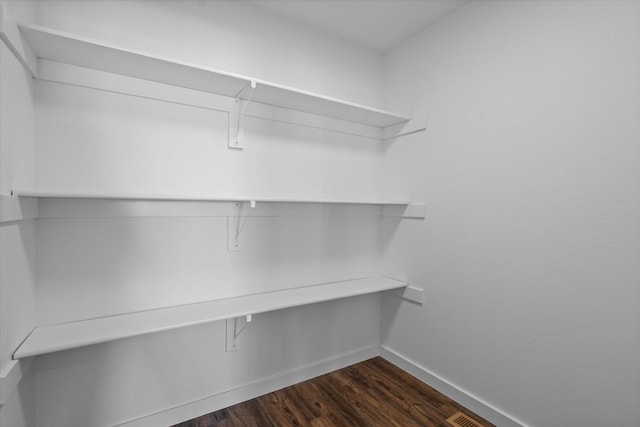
(529, 257)
(17, 237)
(90, 140)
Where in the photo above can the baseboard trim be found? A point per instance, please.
(251, 390)
(464, 398)
(284, 379)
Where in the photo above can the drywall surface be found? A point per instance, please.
(19, 409)
(96, 141)
(226, 35)
(16, 123)
(102, 266)
(529, 256)
(17, 239)
(21, 10)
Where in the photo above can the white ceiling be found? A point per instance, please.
(379, 24)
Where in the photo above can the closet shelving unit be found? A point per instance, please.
(36, 42)
(48, 339)
(201, 198)
(61, 47)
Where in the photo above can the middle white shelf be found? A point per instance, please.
(49, 339)
(389, 208)
(23, 204)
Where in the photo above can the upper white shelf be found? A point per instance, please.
(58, 46)
(204, 198)
(48, 339)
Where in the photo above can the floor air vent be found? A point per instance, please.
(461, 420)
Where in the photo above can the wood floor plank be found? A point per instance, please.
(306, 406)
(323, 407)
(317, 403)
(404, 400)
(417, 403)
(322, 422)
(249, 414)
(350, 398)
(346, 410)
(446, 406)
(385, 410)
(281, 410)
(219, 419)
(406, 381)
(374, 393)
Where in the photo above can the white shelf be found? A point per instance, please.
(204, 198)
(48, 339)
(58, 46)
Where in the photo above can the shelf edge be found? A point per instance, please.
(30, 347)
(203, 198)
(32, 32)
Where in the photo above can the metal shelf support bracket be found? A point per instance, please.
(235, 224)
(236, 116)
(235, 327)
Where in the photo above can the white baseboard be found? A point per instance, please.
(12, 373)
(467, 400)
(254, 389)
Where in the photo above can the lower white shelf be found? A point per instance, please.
(48, 339)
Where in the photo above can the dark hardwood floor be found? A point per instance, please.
(368, 394)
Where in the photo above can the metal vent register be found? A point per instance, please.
(461, 420)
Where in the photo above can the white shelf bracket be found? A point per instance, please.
(235, 327)
(235, 224)
(236, 116)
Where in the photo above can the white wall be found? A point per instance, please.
(21, 10)
(17, 237)
(91, 140)
(98, 141)
(529, 256)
